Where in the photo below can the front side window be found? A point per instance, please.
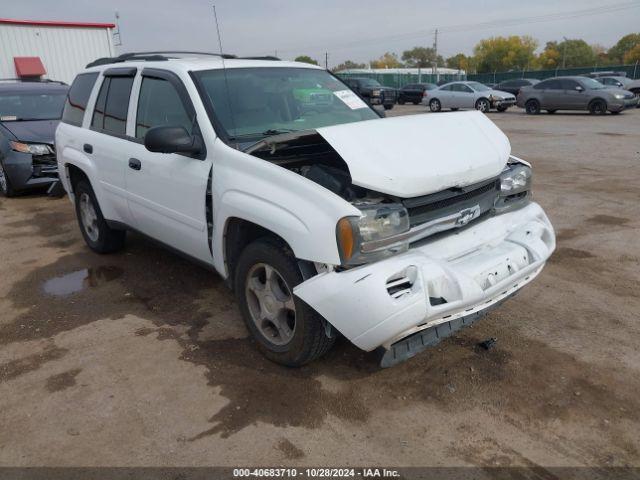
(78, 98)
(19, 106)
(478, 87)
(253, 103)
(160, 105)
(110, 112)
(591, 84)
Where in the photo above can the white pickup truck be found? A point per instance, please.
(323, 217)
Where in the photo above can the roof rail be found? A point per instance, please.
(30, 80)
(151, 56)
(266, 57)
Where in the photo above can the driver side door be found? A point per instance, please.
(167, 192)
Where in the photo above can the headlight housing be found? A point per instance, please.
(619, 96)
(370, 237)
(515, 186)
(376, 93)
(32, 148)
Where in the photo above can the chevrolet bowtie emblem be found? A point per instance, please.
(466, 215)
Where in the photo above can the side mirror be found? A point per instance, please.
(170, 139)
(579, 88)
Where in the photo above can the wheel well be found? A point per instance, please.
(75, 175)
(482, 98)
(598, 99)
(238, 234)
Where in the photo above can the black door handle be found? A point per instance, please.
(135, 164)
(88, 148)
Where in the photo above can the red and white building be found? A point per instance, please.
(49, 49)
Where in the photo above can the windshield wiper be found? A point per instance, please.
(267, 133)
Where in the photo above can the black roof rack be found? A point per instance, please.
(32, 80)
(266, 57)
(152, 56)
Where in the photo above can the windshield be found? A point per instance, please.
(31, 106)
(370, 82)
(253, 103)
(591, 84)
(478, 87)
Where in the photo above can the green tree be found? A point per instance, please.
(575, 53)
(388, 60)
(633, 55)
(421, 57)
(306, 59)
(349, 65)
(626, 43)
(549, 58)
(459, 61)
(505, 53)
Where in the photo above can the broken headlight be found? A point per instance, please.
(32, 148)
(515, 186)
(373, 235)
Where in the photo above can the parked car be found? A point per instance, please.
(413, 92)
(318, 223)
(634, 87)
(574, 93)
(615, 82)
(373, 92)
(514, 86)
(456, 95)
(609, 73)
(29, 115)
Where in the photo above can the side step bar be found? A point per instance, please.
(413, 344)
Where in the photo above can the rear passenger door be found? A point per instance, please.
(167, 192)
(552, 97)
(106, 141)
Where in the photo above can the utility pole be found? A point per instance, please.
(564, 53)
(326, 60)
(435, 50)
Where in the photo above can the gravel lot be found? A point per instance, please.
(148, 362)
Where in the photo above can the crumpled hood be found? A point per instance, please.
(416, 155)
(33, 131)
(499, 93)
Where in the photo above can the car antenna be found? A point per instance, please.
(224, 71)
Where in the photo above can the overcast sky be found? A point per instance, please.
(346, 29)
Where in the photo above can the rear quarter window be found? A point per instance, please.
(78, 98)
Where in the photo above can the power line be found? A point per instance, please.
(507, 22)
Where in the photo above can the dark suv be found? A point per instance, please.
(29, 115)
(514, 86)
(372, 92)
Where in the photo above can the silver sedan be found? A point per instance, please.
(456, 95)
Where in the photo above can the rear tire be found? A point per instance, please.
(598, 107)
(532, 107)
(97, 234)
(455, 109)
(551, 111)
(287, 331)
(388, 107)
(400, 101)
(5, 184)
(502, 109)
(416, 103)
(435, 105)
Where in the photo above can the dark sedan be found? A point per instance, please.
(413, 92)
(514, 86)
(29, 115)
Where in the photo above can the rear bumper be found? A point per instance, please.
(454, 276)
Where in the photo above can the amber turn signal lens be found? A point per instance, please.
(346, 241)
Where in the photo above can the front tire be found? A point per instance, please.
(502, 109)
(532, 107)
(287, 331)
(5, 184)
(388, 107)
(435, 105)
(598, 107)
(483, 105)
(97, 234)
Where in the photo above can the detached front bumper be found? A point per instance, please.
(506, 103)
(453, 276)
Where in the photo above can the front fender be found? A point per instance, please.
(298, 210)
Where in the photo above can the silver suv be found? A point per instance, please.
(574, 93)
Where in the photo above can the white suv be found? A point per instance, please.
(322, 216)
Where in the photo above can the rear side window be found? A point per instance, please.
(549, 85)
(159, 104)
(110, 113)
(78, 98)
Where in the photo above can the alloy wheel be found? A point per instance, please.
(271, 304)
(483, 106)
(89, 217)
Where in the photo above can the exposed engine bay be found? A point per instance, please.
(312, 157)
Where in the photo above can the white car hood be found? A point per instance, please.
(416, 155)
(499, 93)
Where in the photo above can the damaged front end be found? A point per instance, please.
(415, 268)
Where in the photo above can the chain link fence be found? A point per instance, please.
(632, 71)
(399, 80)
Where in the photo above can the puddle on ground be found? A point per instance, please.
(79, 280)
